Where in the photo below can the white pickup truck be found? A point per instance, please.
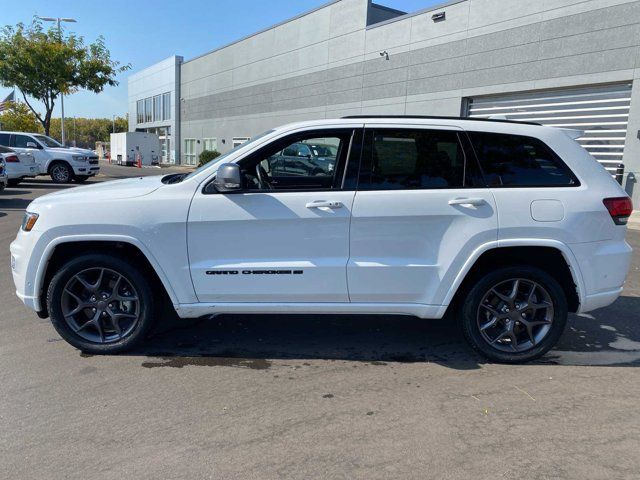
(63, 164)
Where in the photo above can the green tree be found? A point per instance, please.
(18, 118)
(85, 132)
(45, 63)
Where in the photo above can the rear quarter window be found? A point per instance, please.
(519, 161)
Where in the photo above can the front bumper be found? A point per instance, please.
(86, 169)
(24, 266)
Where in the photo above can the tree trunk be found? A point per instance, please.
(46, 124)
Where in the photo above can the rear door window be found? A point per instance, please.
(519, 161)
(405, 159)
(20, 141)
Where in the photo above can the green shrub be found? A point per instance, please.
(207, 155)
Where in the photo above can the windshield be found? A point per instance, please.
(47, 141)
(221, 159)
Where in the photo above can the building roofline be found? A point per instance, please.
(388, 9)
(246, 37)
(175, 58)
(414, 14)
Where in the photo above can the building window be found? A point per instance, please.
(166, 106)
(190, 156)
(140, 111)
(157, 108)
(210, 144)
(148, 114)
(154, 109)
(237, 141)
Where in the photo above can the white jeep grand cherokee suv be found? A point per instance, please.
(508, 226)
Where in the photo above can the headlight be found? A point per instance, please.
(29, 220)
(80, 158)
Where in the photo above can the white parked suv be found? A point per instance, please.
(505, 226)
(62, 164)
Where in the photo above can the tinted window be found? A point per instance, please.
(514, 161)
(414, 159)
(20, 141)
(4, 139)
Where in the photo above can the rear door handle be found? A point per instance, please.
(476, 202)
(324, 204)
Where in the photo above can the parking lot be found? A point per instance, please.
(267, 397)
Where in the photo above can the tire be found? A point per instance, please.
(489, 312)
(100, 336)
(61, 172)
(14, 182)
(81, 178)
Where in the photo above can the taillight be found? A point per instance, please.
(11, 159)
(619, 208)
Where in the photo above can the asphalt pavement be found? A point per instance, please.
(271, 397)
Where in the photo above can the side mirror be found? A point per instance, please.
(228, 178)
(31, 145)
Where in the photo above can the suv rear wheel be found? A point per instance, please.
(61, 172)
(100, 304)
(514, 314)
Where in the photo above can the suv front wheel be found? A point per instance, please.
(514, 314)
(100, 304)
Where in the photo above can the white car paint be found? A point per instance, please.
(404, 252)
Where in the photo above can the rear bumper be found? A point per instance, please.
(599, 300)
(20, 171)
(604, 267)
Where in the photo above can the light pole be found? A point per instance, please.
(58, 20)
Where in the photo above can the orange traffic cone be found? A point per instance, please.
(139, 161)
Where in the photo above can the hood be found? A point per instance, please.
(105, 191)
(71, 150)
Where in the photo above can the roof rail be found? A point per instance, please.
(427, 117)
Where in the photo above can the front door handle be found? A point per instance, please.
(324, 204)
(476, 202)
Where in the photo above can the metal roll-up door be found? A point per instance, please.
(601, 112)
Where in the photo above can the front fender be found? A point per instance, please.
(52, 244)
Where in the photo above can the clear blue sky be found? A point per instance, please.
(143, 32)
